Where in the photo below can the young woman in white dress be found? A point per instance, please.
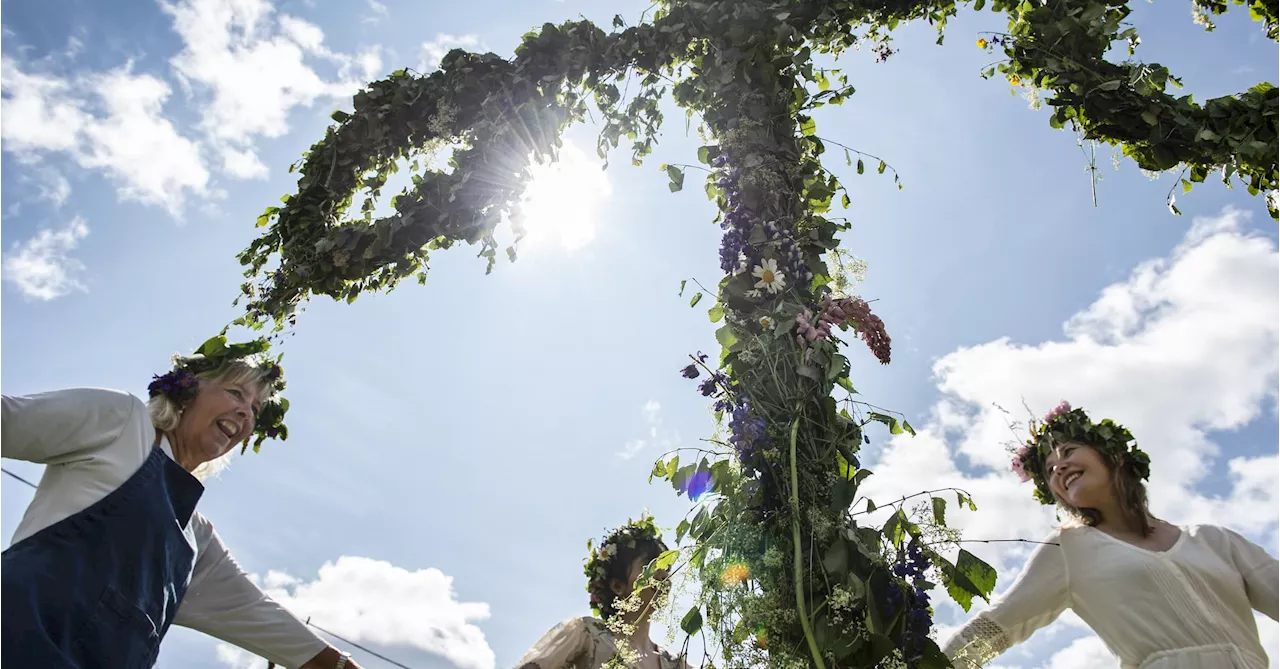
(1158, 595)
(618, 634)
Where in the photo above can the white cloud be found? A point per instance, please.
(111, 121)
(254, 67)
(1084, 653)
(51, 186)
(378, 12)
(42, 267)
(654, 433)
(371, 601)
(1186, 346)
(434, 51)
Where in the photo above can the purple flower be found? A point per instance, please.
(731, 247)
(712, 384)
(178, 385)
(698, 484)
(690, 372)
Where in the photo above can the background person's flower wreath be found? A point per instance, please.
(1066, 425)
(181, 384)
(600, 560)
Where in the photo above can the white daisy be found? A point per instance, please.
(771, 278)
(754, 294)
(766, 322)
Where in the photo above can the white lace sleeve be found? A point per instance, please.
(1038, 596)
(976, 644)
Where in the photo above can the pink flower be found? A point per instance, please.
(1018, 469)
(1062, 409)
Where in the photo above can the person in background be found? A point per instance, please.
(620, 627)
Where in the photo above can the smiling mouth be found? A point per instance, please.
(228, 428)
(1071, 478)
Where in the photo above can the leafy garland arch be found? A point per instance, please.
(790, 577)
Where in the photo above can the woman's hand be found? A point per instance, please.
(328, 659)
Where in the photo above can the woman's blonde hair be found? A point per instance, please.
(1128, 489)
(167, 413)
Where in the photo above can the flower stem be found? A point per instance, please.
(798, 562)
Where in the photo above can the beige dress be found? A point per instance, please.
(1190, 607)
(582, 643)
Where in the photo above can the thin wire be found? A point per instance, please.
(18, 477)
(308, 622)
(353, 644)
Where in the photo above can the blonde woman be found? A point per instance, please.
(618, 634)
(1158, 595)
(111, 550)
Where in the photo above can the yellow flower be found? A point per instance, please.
(734, 574)
(1015, 81)
(982, 43)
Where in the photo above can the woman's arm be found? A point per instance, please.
(1036, 598)
(222, 602)
(1260, 572)
(65, 425)
(328, 659)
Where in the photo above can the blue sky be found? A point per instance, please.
(454, 446)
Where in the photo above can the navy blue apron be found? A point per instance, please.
(98, 590)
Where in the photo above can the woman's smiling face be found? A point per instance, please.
(1078, 475)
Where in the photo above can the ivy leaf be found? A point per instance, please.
(1109, 85)
(677, 178)
(836, 561)
(963, 500)
(726, 336)
(895, 529)
(704, 155)
(340, 116)
(1186, 186)
(848, 159)
(895, 427)
(860, 166)
(267, 213)
(692, 621)
(697, 297)
(666, 559)
(940, 511)
(682, 283)
(967, 578)
(715, 313)
(881, 168)
(808, 126)
(978, 5)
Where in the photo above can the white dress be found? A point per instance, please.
(1189, 607)
(583, 643)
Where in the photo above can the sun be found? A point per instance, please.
(562, 201)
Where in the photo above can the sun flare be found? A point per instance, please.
(562, 200)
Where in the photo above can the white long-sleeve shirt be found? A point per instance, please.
(91, 441)
(1190, 607)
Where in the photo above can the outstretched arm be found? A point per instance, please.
(1260, 572)
(223, 602)
(1036, 598)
